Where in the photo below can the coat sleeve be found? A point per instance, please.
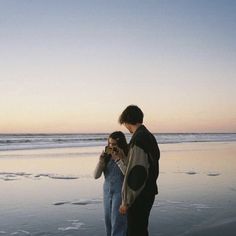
(136, 175)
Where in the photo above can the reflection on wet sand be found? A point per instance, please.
(197, 191)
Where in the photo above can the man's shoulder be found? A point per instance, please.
(143, 134)
(141, 138)
(140, 135)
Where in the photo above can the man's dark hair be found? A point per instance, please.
(131, 115)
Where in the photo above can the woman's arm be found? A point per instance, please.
(99, 168)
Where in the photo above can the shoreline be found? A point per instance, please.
(102, 145)
(21, 142)
(197, 191)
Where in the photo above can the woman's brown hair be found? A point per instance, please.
(121, 141)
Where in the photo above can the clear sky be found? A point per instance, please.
(73, 66)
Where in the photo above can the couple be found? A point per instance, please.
(130, 174)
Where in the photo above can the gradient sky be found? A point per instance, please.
(73, 66)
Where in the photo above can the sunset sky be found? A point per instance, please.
(73, 66)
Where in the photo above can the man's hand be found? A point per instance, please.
(123, 209)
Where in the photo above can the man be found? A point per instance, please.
(139, 186)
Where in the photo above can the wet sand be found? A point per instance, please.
(52, 191)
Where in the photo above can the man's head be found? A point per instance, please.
(131, 117)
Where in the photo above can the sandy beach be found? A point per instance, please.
(52, 191)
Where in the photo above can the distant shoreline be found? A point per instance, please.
(107, 133)
(45, 141)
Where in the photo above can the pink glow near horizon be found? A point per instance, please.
(76, 69)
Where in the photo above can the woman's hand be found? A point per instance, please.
(117, 154)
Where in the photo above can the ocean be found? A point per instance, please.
(48, 189)
(45, 141)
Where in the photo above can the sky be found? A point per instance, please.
(74, 66)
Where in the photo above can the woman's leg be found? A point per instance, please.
(118, 221)
(107, 211)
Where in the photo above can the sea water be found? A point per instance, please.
(41, 141)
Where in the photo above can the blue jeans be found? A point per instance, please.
(116, 224)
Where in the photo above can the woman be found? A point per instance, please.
(112, 163)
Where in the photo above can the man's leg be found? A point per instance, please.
(138, 216)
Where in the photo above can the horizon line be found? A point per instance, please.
(71, 133)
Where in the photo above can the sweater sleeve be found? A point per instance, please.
(99, 169)
(122, 162)
(136, 175)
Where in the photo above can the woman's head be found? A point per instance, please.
(117, 138)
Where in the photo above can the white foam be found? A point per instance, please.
(81, 202)
(60, 203)
(184, 205)
(9, 176)
(62, 177)
(41, 175)
(44, 141)
(86, 202)
(224, 222)
(174, 202)
(191, 173)
(233, 189)
(21, 232)
(15, 173)
(213, 174)
(75, 225)
(200, 206)
(56, 176)
(9, 179)
(13, 176)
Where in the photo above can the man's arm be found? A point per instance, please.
(136, 175)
